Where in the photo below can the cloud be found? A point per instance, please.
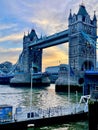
(3, 50)
(46, 16)
(9, 54)
(12, 37)
(7, 26)
(50, 22)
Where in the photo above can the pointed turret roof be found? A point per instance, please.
(82, 11)
(24, 36)
(70, 15)
(32, 34)
(94, 18)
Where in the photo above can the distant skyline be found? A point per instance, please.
(45, 16)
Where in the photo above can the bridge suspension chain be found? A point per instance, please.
(90, 40)
(17, 63)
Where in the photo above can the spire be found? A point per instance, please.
(24, 36)
(33, 30)
(70, 15)
(82, 3)
(82, 11)
(32, 34)
(28, 32)
(41, 36)
(94, 18)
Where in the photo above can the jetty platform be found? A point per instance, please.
(23, 125)
(46, 117)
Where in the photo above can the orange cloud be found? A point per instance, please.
(13, 37)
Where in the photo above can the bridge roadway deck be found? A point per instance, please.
(50, 116)
(52, 40)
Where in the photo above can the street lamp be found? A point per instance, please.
(69, 83)
(31, 71)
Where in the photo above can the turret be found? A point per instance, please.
(95, 19)
(33, 35)
(78, 50)
(70, 17)
(82, 13)
(25, 38)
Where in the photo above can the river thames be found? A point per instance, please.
(43, 98)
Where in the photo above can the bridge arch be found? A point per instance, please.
(87, 65)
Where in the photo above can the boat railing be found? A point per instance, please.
(84, 99)
(38, 113)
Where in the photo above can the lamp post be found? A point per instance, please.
(69, 83)
(76, 97)
(31, 71)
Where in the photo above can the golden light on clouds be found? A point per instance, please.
(4, 50)
(13, 37)
(11, 54)
(54, 56)
(47, 17)
(10, 59)
(13, 59)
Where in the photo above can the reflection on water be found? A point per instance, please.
(41, 97)
(71, 126)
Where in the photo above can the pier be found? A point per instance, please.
(37, 117)
(43, 121)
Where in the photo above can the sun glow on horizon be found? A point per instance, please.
(53, 56)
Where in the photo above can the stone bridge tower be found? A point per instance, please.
(82, 55)
(31, 56)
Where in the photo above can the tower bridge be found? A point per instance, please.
(82, 56)
(79, 52)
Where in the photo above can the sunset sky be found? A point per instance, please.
(45, 16)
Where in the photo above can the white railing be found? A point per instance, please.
(39, 113)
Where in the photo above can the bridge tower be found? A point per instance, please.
(82, 55)
(31, 56)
